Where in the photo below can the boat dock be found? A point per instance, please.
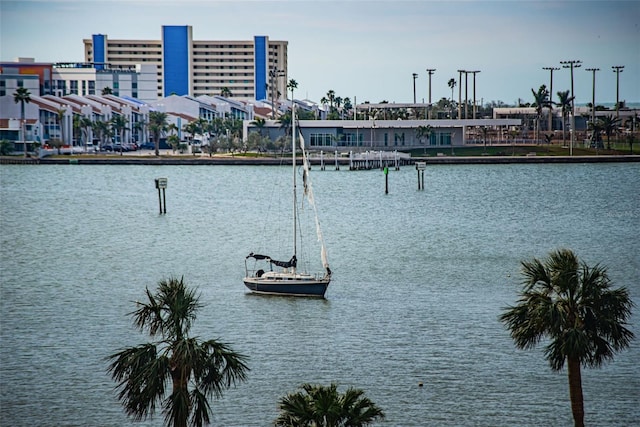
(364, 160)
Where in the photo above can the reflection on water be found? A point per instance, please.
(420, 278)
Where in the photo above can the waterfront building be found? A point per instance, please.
(25, 72)
(76, 78)
(582, 117)
(249, 69)
(385, 135)
(136, 80)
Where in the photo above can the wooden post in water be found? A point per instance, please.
(161, 184)
(386, 180)
(420, 166)
(164, 201)
(337, 165)
(321, 160)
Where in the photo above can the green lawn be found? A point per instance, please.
(523, 150)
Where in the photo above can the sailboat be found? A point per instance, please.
(265, 275)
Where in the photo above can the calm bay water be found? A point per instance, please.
(420, 278)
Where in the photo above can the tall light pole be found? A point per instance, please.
(466, 94)
(415, 76)
(474, 91)
(617, 69)
(274, 74)
(460, 93)
(593, 95)
(551, 70)
(430, 71)
(574, 63)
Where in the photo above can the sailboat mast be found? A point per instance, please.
(293, 156)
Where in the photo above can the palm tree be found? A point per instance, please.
(85, 127)
(138, 129)
(225, 92)
(452, 84)
(541, 100)
(102, 130)
(609, 125)
(174, 142)
(286, 123)
(485, 132)
(291, 86)
(22, 96)
(119, 125)
(157, 126)
(347, 106)
(107, 91)
(572, 306)
(320, 406)
(195, 370)
(259, 123)
(596, 129)
(424, 132)
(331, 96)
(565, 103)
(60, 112)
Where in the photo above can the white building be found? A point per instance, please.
(249, 69)
(136, 81)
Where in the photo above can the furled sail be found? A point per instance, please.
(308, 191)
(284, 264)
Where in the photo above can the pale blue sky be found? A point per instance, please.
(369, 49)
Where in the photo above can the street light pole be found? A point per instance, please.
(593, 95)
(460, 93)
(430, 71)
(474, 92)
(273, 73)
(574, 63)
(617, 69)
(551, 70)
(415, 76)
(466, 94)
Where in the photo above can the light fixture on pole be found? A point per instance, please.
(474, 91)
(593, 95)
(430, 71)
(551, 70)
(415, 76)
(617, 69)
(571, 64)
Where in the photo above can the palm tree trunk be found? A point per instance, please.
(564, 142)
(23, 128)
(575, 391)
(181, 403)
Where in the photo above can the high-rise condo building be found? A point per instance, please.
(250, 69)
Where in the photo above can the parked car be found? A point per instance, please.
(148, 146)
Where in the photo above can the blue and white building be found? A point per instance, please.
(249, 69)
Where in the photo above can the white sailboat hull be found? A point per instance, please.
(286, 283)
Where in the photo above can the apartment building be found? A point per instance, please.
(249, 69)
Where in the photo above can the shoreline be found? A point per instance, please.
(328, 163)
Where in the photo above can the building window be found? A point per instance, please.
(320, 140)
